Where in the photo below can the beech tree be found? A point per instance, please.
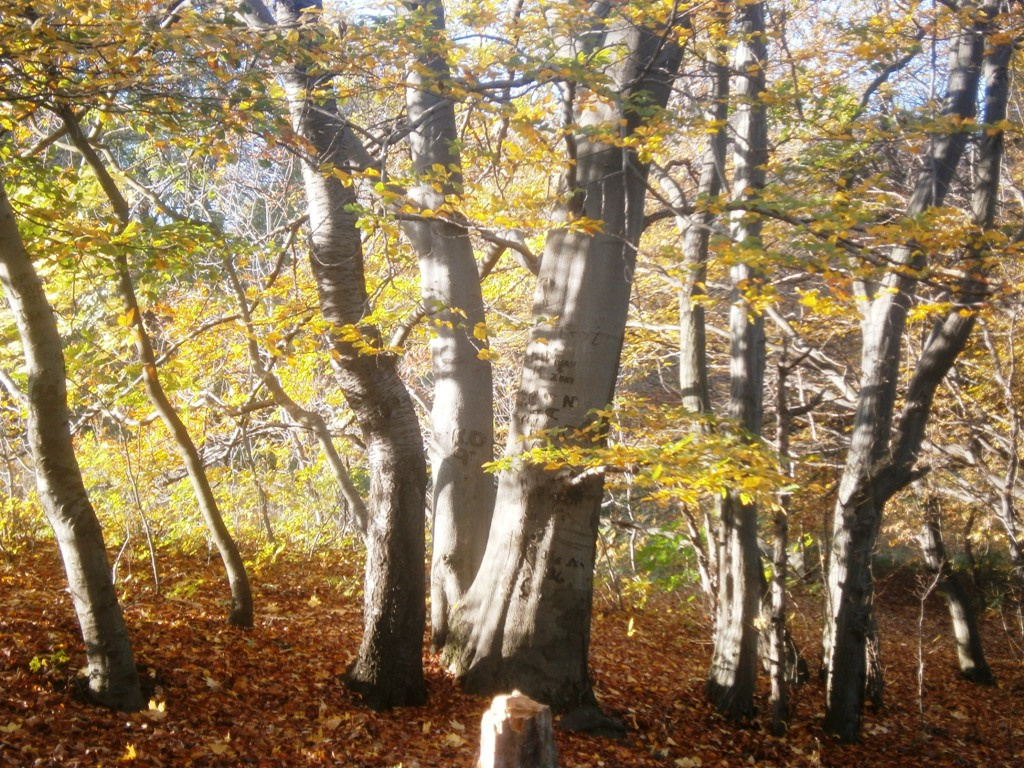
(113, 679)
(696, 228)
(525, 620)
(241, 611)
(383, 143)
(969, 651)
(883, 455)
(734, 664)
(388, 669)
(462, 422)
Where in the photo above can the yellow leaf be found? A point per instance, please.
(157, 710)
(129, 752)
(1000, 127)
(454, 740)
(314, 601)
(630, 628)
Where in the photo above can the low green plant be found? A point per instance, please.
(41, 663)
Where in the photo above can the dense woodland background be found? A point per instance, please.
(696, 324)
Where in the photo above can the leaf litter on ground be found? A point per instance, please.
(274, 695)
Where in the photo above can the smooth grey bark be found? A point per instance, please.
(778, 640)
(462, 417)
(778, 644)
(881, 460)
(696, 229)
(240, 612)
(525, 621)
(733, 673)
(113, 679)
(388, 669)
(970, 652)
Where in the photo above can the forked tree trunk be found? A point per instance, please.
(880, 460)
(388, 669)
(969, 650)
(525, 621)
(462, 420)
(113, 679)
(733, 673)
(240, 614)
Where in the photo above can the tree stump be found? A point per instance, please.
(516, 732)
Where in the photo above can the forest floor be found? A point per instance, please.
(273, 696)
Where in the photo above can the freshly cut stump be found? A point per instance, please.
(516, 732)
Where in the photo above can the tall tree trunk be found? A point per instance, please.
(880, 462)
(778, 640)
(696, 231)
(969, 650)
(113, 679)
(779, 647)
(525, 621)
(240, 613)
(733, 672)
(462, 416)
(388, 670)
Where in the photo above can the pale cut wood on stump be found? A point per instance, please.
(516, 732)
